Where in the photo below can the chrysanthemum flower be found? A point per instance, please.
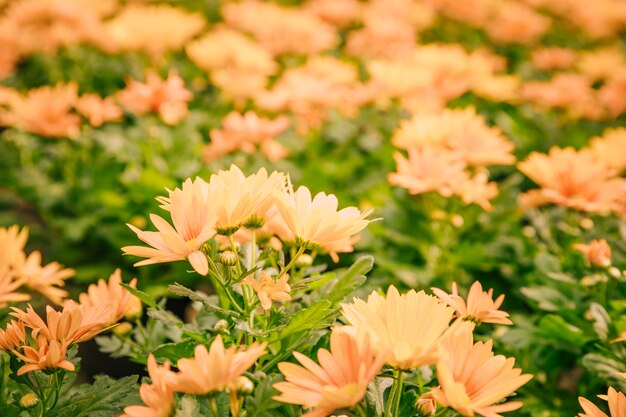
(552, 58)
(47, 354)
(12, 242)
(339, 381)
(408, 325)
(317, 220)
(158, 396)
(9, 284)
(112, 294)
(472, 380)
(268, 288)
(98, 110)
(617, 405)
(215, 369)
(47, 279)
(596, 252)
(612, 95)
(611, 148)
(168, 98)
(193, 215)
(570, 178)
(13, 336)
(480, 306)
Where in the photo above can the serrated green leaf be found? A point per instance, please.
(343, 284)
(168, 318)
(261, 401)
(548, 298)
(606, 368)
(315, 316)
(175, 351)
(145, 298)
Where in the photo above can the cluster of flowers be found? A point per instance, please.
(587, 180)
(448, 152)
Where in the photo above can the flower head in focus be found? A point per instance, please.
(480, 306)
(339, 381)
(268, 288)
(408, 326)
(46, 355)
(617, 405)
(111, 293)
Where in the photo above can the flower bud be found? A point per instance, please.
(123, 328)
(229, 258)
(29, 401)
(304, 260)
(426, 404)
(221, 326)
(244, 385)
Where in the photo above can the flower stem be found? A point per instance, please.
(291, 263)
(393, 401)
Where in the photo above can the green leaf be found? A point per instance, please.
(316, 316)
(175, 351)
(208, 301)
(343, 284)
(555, 330)
(606, 368)
(105, 398)
(145, 298)
(600, 319)
(188, 407)
(548, 298)
(168, 318)
(261, 401)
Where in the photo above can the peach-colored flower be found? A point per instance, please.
(245, 132)
(48, 354)
(168, 98)
(69, 325)
(473, 12)
(408, 325)
(47, 279)
(283, 30)
(339, 381)
(46, 111)
(13, 336)
(611, 148)
(428, 169)
(155, 29)
(336, 12)
(9, 283)
(215, 369)
(570, 178)
(513, 22)
(316, 220)
(601, 64)
(552, 58)
(426, 404)
(158, 396)
(111, 293)
(613, 94)
(480, 306)
(596, 252)
(617, 405)
(268, 288)
(12, 242)
(382, 36)
(475, 190)
(472, 379)
(193, 216)
(98, 110)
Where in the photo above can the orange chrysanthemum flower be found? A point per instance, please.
(98, 110)
(513, 22)
(596, 252)
(610, 148)
(472, 380)
(46, 111)
(617, 405)
(408, 326)
(158, 396)
(339, 381)
(111, 294)
(47, 354)
(480, 306)
(245, 132)
(268, 288)
(571, 179)
(46, 280)
(9, 283)
(13, 336)
(215, 369)
(193, 216)
(168, 98)
(552, 58)
(613, 94)
(317, 220)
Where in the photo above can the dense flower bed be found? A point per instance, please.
(364, 208)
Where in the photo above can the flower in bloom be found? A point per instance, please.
(611, 148)
(617, 405)
(168, 98)
(570, 178)
(194, 219)
(408, 325)
(46, 111)
(472, 380)
(551, 58)
(9, 284)
(46, 280)
(516, 23)
(158, 396)
(268, 288)
(215, 369)
(480, 306)
(155, 29)
(339, 381)
(112, 294)
(46, 355)
(13, 336)
(612, 94)
(596, 252)
(245, 132)
(316, 220)
(426, 404)
(98, 110)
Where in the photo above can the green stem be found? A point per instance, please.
(393, 401)
(253, 250)
(291, 263)
(398, 381)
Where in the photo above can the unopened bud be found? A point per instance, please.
(304, 260)
(29, 401)
(123, 328)
(426, 404)
(229, 258)
(221, 326)
(244, 385)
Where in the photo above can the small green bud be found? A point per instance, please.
(229, 258)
